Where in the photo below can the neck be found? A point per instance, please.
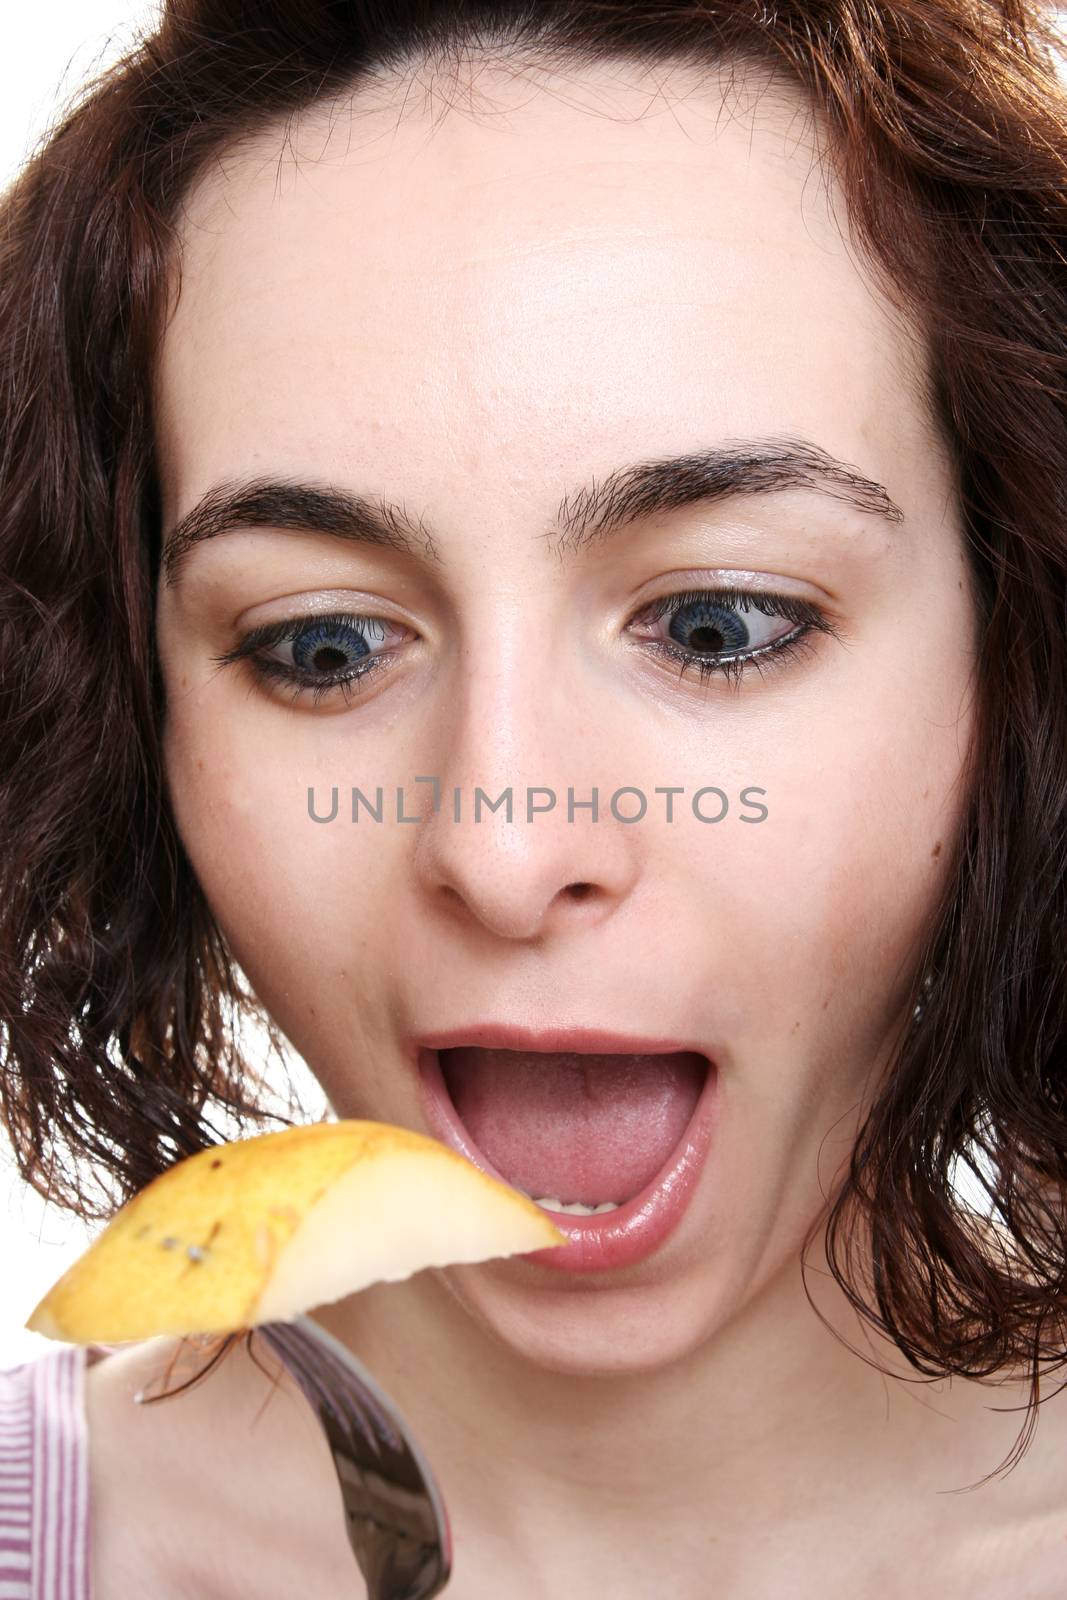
(772, 1421)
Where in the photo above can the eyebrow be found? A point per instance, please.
(589, 515)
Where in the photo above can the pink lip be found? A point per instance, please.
(614, 1239)
(586, 1041)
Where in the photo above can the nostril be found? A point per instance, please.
(578, 891)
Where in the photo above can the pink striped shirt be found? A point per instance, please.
(44, 1478)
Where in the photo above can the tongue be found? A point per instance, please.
(574, 1127)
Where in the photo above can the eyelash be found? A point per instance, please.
(809, 617)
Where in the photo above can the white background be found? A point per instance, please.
(44, 57)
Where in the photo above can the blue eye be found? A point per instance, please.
(326, 646)
(320, 653)
(713, 630)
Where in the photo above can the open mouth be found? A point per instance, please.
(612, 1145)
(580, 1134)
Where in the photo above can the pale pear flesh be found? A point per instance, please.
(266, 1228)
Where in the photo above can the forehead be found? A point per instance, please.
(531, 276)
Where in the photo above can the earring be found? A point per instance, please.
(927, 986)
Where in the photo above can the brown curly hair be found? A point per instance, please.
(118, 998)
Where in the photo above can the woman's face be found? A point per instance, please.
(487, 317)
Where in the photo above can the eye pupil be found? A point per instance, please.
(327, 658)
(706, 639)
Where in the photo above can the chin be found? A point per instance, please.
(584, 1331)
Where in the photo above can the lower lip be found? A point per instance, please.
(613, 1239)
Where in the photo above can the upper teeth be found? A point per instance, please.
(574, 1206)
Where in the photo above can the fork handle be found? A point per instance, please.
(395, 1516)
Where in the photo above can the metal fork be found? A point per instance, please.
(396, 1519)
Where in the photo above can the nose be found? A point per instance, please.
(520, 880)
(523, 870)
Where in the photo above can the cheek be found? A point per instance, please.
(210, 792)
(308, 910)
(807, 926)
(300, 903)
(863, 850)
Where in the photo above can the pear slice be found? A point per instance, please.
(263, 1229)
